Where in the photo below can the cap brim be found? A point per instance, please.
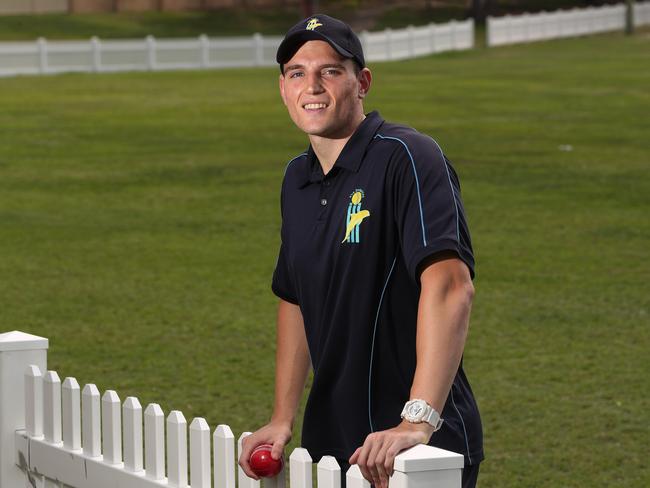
(291, 44)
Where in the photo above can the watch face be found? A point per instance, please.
(415, 410)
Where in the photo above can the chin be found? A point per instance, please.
(314, 129)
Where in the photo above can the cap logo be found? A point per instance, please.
(313, 23)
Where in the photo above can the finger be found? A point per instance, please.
(362, 461)
(389, 461)
(367, 458)
(248, 444)
(245, 465)
(355, 456)
(378, 456)
(277, 449)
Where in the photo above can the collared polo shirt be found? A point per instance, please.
(352, 244)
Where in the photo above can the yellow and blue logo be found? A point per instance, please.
(313, 23)
(354, 217)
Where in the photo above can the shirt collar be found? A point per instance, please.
(352, 154)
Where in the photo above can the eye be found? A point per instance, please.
(295, 74)
(331, 71)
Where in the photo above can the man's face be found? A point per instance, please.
(322, 91)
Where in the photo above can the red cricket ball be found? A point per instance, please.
(262, 464)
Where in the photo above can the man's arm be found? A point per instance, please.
(292, 364)
(443, 319)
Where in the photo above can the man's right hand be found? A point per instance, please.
(274, 433)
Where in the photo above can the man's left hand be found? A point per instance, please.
(375, 458)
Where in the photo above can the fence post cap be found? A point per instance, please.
(110, 396)
(199, 424)
(132, 403)
(223, 431)
(21, 341)
(70, 383)
(52, 377)
(329, 463)
(90, 390)
(427, 458)
(300, 454)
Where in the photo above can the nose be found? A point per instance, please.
(314, 83)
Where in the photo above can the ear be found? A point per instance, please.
(282, 94)
(365, 80)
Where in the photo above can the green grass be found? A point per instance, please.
(139, 228)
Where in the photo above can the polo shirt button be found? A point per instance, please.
(327, 183)
(323, 202)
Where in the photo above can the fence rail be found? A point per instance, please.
(95, 55)
(55, 434)
(562, 23)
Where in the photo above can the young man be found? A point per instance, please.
(374, 274)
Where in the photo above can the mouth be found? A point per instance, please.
(314, 107)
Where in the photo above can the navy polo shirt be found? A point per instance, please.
(352, 242)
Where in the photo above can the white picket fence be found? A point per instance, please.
(641, 14)
(57, 435)
(95, 55)
(562, 23)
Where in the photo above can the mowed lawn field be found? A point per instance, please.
(139, 218)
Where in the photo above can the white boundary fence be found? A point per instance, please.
(641, 13)
(57, 435)
(562, 23)
(95, 55)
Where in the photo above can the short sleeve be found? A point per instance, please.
(429, 212)
(282, 284)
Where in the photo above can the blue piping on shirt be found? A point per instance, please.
(372, 348)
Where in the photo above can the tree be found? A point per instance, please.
(479, 9)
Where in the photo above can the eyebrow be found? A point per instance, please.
(329, 65)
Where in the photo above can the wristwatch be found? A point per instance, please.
(418, 411)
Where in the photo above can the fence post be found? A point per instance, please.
(258, 44)
(411, 37)
(453, 34)
(97, 53)
(389, 41)
(17, 351)
(205, 50)
(42, 54)
(418, 466)
(365, 42)
(151, 53)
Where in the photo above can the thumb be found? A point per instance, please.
(277, 449)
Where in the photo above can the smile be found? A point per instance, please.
(314, 106)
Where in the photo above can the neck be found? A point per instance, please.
(328, 149)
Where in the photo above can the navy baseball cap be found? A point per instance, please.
(321, 27)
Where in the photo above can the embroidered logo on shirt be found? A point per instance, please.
(313, 23)
(354, 217)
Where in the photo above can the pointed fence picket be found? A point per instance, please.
(71, 397)
(132, 418)
(65, 437)
(52, 407)
(111, 428)
(154, 438)
(224, 457)
(176, 449)
(91, 421)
